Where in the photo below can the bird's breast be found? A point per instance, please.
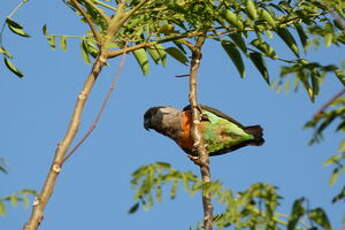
(185, 138)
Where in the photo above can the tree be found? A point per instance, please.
(144, 27)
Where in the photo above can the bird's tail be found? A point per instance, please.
(257, 132)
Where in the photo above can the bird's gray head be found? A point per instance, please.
(163, 119)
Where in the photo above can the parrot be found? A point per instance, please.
(221, 133)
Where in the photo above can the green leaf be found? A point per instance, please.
(51, 41)
(134, 208)
(3, 166)
(302, 36)
(339, 196)
(162, 53)
(90, 47)
(2, 208)
(235, 56)
(173, 190)
(159, 193)
(5, 52)
(233, 19)
(63, 43)
(320, 217)
(260, 65)
(334, 176)
(154, 54)
(288, 39)
(84, 52)
(13, 68)
(45, 30)
(251, 9)
(177, 54)
(296, 213)
(141, 57)
(341, 147)
(328, 39)
(14, 200)
(14, 24)
(16, 28)
(268, 17)
(264, 47)
(239, 41)
(333, 159)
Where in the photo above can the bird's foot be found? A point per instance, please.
(196, 160)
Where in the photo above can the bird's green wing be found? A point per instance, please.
(218, 113)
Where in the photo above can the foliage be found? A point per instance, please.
(254, 208)
(244, 28)
(332, 112)
(153, 30)
(22, 196)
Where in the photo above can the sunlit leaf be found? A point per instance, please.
(16, 28)
(13, 68)
(141, 57)
(154, 54)
(251, 9)
(51, 41)
(268, 17)
(333, 159)
(5, 52)
(334, 176)
(264, 47)
(14, 200)
(2, 208)
(233, 19)
(63, 43)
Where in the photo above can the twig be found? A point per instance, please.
(43, 197)
(105, 5)
(182, 75)
(325, 106)
(89, 22)
(102, 109)
(197, 137)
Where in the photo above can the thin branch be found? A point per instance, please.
(89, 22)
(100, 11)
(105, 5)
(43, 197)
(115, 53)
(325, 106)
(197, 137)
(102, 109)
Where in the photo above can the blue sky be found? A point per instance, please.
(93, 190)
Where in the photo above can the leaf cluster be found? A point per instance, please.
(254, 208)
(22, 196)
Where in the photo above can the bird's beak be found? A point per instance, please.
(147, 125)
